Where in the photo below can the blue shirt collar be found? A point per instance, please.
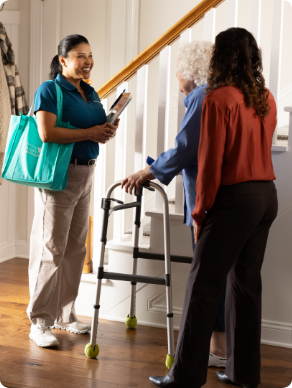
(189, 97)
(68, 86)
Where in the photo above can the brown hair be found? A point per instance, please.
(237, 61)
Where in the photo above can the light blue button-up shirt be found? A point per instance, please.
(184, 156)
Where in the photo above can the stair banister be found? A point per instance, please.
(154, 49)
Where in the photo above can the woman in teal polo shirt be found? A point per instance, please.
(61, 217)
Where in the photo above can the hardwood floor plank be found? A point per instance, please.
(127, 357)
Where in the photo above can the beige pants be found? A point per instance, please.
(57, 249)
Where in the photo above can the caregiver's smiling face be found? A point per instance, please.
(78, 63)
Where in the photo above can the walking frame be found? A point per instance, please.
(92, 349)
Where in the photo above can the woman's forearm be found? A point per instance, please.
(49, 133)
(65, 135)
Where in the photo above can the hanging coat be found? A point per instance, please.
(17, 96)
(5, 113)
(12, 96)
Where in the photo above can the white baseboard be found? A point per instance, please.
(21, 249)
(277, 333)
(14, 249)
(7, 251)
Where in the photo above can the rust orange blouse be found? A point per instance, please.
(235, 146)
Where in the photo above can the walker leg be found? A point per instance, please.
(170, 334)
(131, 321)
(134, 272)
(92, 349)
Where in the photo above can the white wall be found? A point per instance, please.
(64, 17)
(12, 5)
(156, 17)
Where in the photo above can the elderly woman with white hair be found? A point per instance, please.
(193, 70)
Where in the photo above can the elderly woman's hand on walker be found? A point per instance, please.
(197, 230)
(137, 179)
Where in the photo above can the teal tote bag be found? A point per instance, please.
(28, 161)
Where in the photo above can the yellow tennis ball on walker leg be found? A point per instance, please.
(90, 351)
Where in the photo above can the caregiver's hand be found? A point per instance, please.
(137, 179)
(101, 133)
(197, 230)
(113, 127)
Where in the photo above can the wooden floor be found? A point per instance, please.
(127, 357)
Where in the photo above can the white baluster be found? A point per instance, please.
(141, 101)
(163, 87)
(99, 193)
(232, 13)
(140, 138)
(209, 25)
(171, 110)
(276, 52)
(120, 153)
(129, 144)
(255, 19)
(186, 36)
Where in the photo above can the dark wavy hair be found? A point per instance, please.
(237, 61)
(66, 45)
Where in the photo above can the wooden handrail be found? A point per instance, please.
(154, 49)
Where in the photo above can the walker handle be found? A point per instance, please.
(116, 200)
(146, 185)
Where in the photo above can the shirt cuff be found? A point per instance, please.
(162, 178)
(198, 218)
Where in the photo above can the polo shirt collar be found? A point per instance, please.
(68, 86)
(64, 83)
(87, 88)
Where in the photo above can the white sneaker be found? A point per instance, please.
(216, 361)
(74, 327)
(43, 336)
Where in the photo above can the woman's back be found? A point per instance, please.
(242, 138)
(235, 145)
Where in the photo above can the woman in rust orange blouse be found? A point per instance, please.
(235, 207)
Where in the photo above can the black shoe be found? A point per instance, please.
(225, 379)
(165, 382)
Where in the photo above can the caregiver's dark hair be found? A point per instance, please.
(237, 60)
(66, 45)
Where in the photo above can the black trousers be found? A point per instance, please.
(220, 317)
(232, 243)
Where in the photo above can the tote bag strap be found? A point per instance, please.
(29, 113)
(59, 103)
(54, 148)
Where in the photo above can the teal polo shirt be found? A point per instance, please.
(76, 111)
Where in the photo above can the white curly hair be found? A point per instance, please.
(193, 61)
